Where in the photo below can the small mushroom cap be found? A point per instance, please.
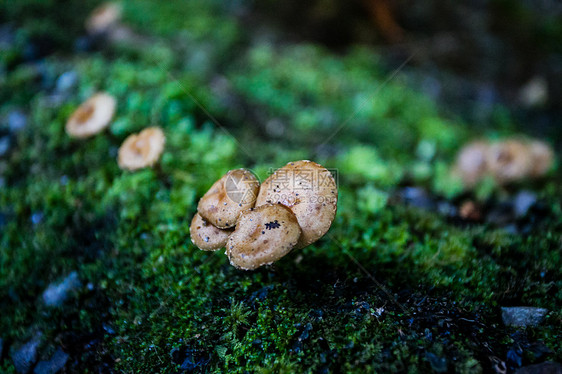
(509, 161)
(206, 236)
(310, 191)
(542, 158)
(92, 116)
(262, 236)
(232, 194)
(142, 149)
(471, 163)
(103, 18)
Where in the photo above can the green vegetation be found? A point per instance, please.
(389, 284)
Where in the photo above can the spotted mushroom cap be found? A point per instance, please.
(206, 236)
(103, 18)
(542, 158)
(141, 150)
(310, 191)
(92, 116)
(472, 161)
(262, 236)
(509, 161)
(232, 194)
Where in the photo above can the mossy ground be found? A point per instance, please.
(390, 286)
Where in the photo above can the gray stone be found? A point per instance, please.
(17, 120)
(522, 202)
(57, 293)
(4, 145)
(25, 356)
(67, 81)
(37, 217)
(54, 365)
(523, 316)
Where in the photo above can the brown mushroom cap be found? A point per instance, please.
(206, 236)
(509, 161)
(542, 158)
(471, 163)
(142, 149)
(310, 191)
(92, 116)
(262, 236)
(103, 18)
(232, 194)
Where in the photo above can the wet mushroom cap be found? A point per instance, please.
(142, 149)
(262, 236)
(310, 191)
(206, 236)
(92, 116)
(542, 158)
(471, 163)
(509, 161)
(232, 194)
(103, 18)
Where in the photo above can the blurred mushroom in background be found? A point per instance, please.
(141, 150)
(507, 161)
(92, 116)
(103, 19)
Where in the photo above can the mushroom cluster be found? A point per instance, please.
(259, 224)
(507, 161)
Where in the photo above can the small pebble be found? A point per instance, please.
(4, 145)
(417, 197)
(470, 211)
(522, 202)
(36, 218)
(66, 82)
(56, 294)
(54, 365)
(26, 355)
(523, 316)
(17, 120)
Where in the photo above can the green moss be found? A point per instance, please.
(388, 284)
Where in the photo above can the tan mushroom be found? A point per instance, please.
(509, 161)
(206, 236)
(92, 116)
(103, 18)
(542, 158)
(141, 150)
(262, 236)
(471, 163)
(232, 194)
(310, 191)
